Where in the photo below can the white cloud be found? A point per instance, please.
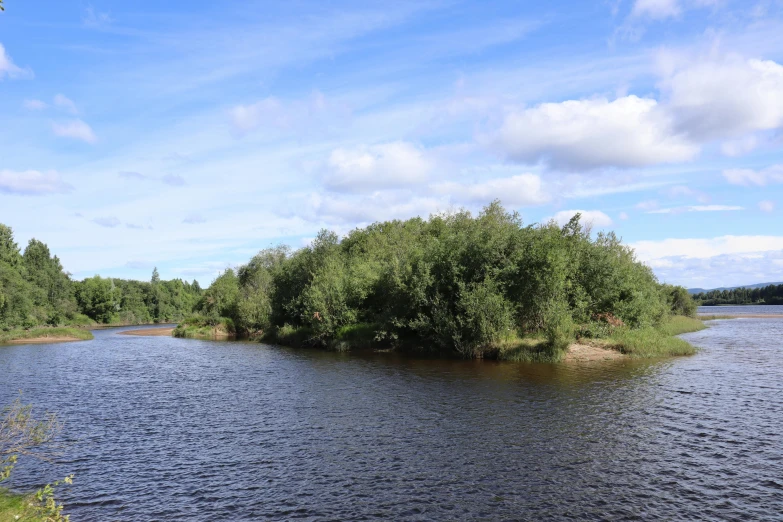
(248, 117)
(585, 134)
(95, 19)
(131, 175)
(739, 147)
(194, 219)
(695, 208)
(65, 103)
(174, 180)
(380, 206)
(523, 189)
(9, 69)
(656, 9)
(76, 129)
(701, 248)
(623, 216)
(647, 205)
(32, 183)
(34, 105)
(389, 165)
(721, 99)
(748, 177)
(107, 222)
(767, 206)
(594, 218)
(301, 115)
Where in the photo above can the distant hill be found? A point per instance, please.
(757, 285)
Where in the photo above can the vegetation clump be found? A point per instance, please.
(768, 295)
(482, 286)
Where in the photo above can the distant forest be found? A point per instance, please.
(36, 291)
(769, 295)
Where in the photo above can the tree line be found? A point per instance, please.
(36, 291)
(768, 295)
(457, 283)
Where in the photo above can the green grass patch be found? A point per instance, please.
(529, 349)
(44, 332)
(652, 342)
(17, 508)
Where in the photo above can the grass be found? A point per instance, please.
(651, 342)
(528, 349)
(15, 507)
(44, 332)
(713, 317)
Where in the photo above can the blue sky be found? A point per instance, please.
(189, 135)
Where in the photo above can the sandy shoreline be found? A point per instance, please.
(586, 352)
(44, 340)
(150, 332)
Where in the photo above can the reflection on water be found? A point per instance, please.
(170, 429)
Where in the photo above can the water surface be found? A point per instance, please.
(170, 429)
(741, 310)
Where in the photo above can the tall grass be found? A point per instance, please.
(660, 341)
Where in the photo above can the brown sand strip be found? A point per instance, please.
(45, 340)
(586, 352)
(150, 332)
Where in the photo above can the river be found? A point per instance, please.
(171, 429)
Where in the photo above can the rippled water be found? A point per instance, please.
(169, 429)
(741, 310)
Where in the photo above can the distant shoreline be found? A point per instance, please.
(150, 332)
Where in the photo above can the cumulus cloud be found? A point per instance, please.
(767, 206)
(695, 208)
(701, 248)
(281, 115)
(523, 189)
(32, 183)
(8, 69)
(76, 129)
(65, 103)
(721, 99)
(34, 105)
(368, 168)
(760, 178)
(108, 222)
(713, 262)
(586, 134)
(594, 218)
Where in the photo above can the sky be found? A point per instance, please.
(190, 135)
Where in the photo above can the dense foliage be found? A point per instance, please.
(768, 295)
(454, 283)
(35, 291)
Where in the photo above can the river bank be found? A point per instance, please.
(150, 332)
(15, 506)
(45, 335)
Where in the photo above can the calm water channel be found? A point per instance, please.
(168, 429)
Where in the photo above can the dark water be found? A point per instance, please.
(741, 310)
(169, 429)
